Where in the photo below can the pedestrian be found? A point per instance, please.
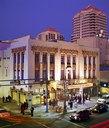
(71, 104)
(32, 110)
(26, 104)
(3, 99)
(23, 109)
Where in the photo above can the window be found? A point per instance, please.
(37, 75)
(89, 73)
(18, 74)
(22, 58)
(37, 59)
(22, 74)
(93, 60)
(14, 74)
(52, 58)
(93, 73)
(85, 60)
(89, 60)
(62, 59)
(18, 59)
(46, 37)
(84, 73)
(51, 74)
(45, 58)
(62, 75)
(44, 75)
(68, 59)
(14, 58)
(74, 59)
(74, 74)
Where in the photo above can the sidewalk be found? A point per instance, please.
(40, 111)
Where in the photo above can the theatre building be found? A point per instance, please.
(29, 66)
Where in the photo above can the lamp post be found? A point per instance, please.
(100, 35)
(65, 88)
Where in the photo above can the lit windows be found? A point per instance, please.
(52, 58)
(45, 58)
(74, 59)
(62, 59)
(89, 60)
(68, 59)
(37, 58)
(85, 60)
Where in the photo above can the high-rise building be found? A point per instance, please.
(88, 23)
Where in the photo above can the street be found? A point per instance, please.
(63, 121)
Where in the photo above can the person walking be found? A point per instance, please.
(23, 109)
(32, 110)
(3, 99)
(71, 104)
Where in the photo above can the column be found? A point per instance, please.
(77, 66)
(65, 65)
(20, 64)
(41, 66)
(87, 67)
(71, 63)
(16, 65)
(91, 66)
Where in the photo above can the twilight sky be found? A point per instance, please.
(19, 18)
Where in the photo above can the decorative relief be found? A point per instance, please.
(18, 66)
(89, 67)
(94, 66)
(74, 67)
(19, 49)
(68, 51)
(43, 49)
(85, 67)
(89, 53)
(52, 66)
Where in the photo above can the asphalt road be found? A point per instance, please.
(62, 122)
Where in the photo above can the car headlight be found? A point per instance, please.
(75, 117)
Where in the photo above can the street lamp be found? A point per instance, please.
(65, 85)
(100, 34)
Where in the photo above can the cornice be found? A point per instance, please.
(18, 49)
(89, 53)
(68, 51)
(43, 49)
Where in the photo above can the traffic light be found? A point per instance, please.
(48, 93)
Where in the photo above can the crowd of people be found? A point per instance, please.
(24, 106)
(73, 100)
(78, 99)
(6, 99)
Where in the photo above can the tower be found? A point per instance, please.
(88, 23)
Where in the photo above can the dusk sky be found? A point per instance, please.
(19, 18)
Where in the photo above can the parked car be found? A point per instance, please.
(103, 99)
(99, 108)
(4, 113)
(80, 115)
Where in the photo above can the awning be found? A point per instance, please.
(80, 85)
